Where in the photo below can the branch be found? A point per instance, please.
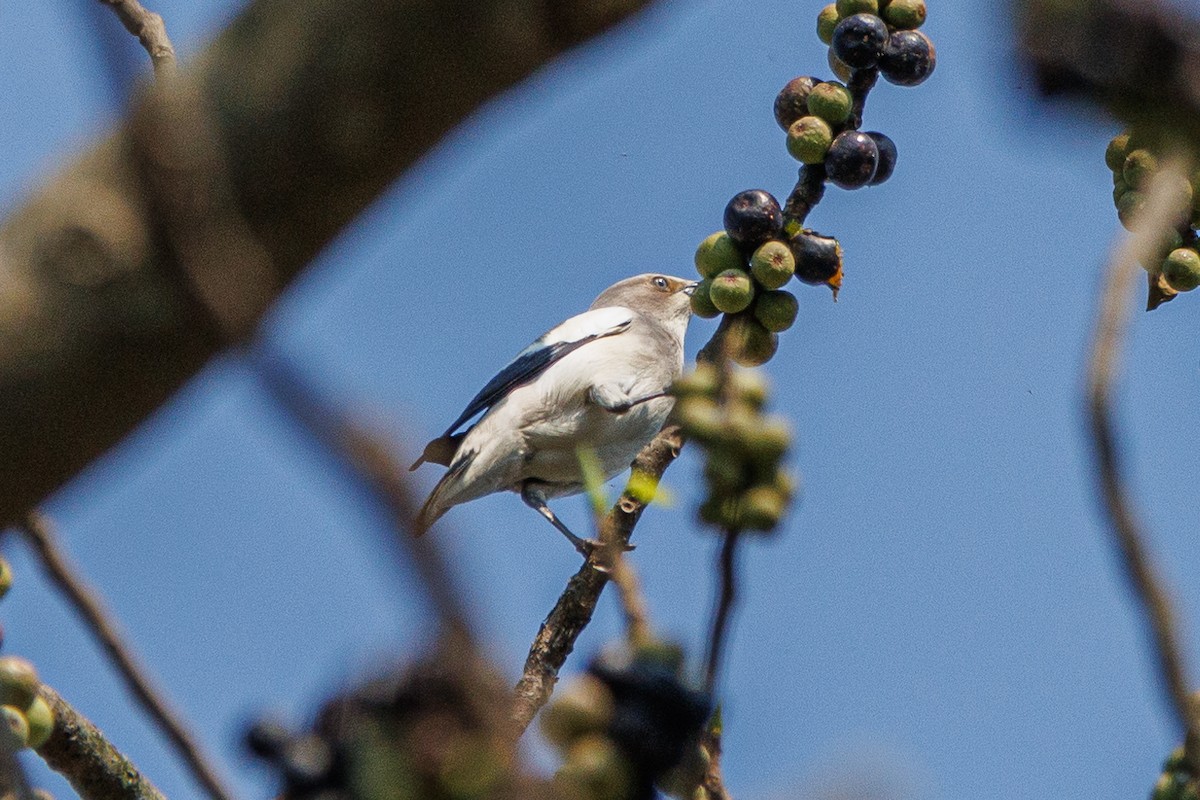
(556, 638)
(87, 603)
(78, 751)
(728, 596)
(150, 30)
(318, 115)
(1129, 537)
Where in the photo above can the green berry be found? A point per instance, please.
(703, 381)
(750, 344)
(1116, 152)
(1138, 167)
(724, 475)
(1176, 761)
(41, 722)
(595, 769)
(831, 101)
(846, 8)
(773, 265)
(827, 20)
(1130, 206)
(766, 439)
(701, 418)
(749, 387)
(584, 706)
(808, 140)
(14, 729)
(776, 310)
(702, 305)
(731, 291)
(18, 682)
(1167, 788)
(840, 68)
(1119, 189)
(1181, 269)
(762, 507)
(905, 14)
(716, 254)
(6, 577)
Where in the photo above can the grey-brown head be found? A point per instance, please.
(660, 297)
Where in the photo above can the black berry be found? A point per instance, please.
(858, 40)
(792, 102)
(752, 217)
(908, 58)
(818, 258)
(887, 157)
(852, 160)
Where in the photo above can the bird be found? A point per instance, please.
(599, 380)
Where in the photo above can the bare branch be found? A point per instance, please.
(556, 638)
(87, 603)
(1153, 225)
(78, 751)
(728, 596)
(150, 30)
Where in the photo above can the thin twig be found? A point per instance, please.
(725, 603)
(79, 752)
(1152, 226)
(150, 30)
(556, 638)
(633, 602)
(713, 780)
(87, 603)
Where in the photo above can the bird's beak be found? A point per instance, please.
(690, 289)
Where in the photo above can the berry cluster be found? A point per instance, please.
(309, 765)
(1175, 782)
(26, 720)
(624, 725)
(1176, 267)
(745, 266)
(748, 488)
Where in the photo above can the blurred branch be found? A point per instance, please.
(150, 30)
(725, 601)
(1152, 226)
(87, 603)
(78, 751)
(556, 638)
(318, 113)
(713, 781)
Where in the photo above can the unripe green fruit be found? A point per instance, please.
(768, 440)
(762, 507)
(596, 770)
(724, 475)
(18, 682)
(14, 729)
(732, 291)
(839, 68)
(1119, 189)
(831, 101)
(748, 386)
(905, 14)
(1139, 166)
(827, 20)
(1176, 761)
(716, 254)
(703, 381)
(1129, 207)
(847, 7)
(750, 344)
(773, 265)
(1181, 269)
(701, 418)
(1115, 154)
(583, 706)
(808, 139)
(702, 304)
(41, 722)
(776, 310)
(1166, 788)
(6, 577)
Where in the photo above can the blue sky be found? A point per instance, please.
(942, 613)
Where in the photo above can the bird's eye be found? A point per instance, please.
(660, 282)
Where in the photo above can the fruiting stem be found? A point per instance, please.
(728, 596)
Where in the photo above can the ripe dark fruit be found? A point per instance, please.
(908, 58)
(858, 40)
(752, 217)
(792, 101)
(887, 157)
(818, 258)
(852, 160)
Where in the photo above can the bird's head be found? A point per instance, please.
(660, 297)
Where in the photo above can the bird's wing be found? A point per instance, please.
(539, 356)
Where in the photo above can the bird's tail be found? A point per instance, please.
(435, 505)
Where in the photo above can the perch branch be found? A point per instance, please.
(87, 603)
(78, 751)
(1129, 537)
(150, 30)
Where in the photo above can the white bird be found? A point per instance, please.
(598, 380)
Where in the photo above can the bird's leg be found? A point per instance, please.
(612, 398)
(534, 498)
